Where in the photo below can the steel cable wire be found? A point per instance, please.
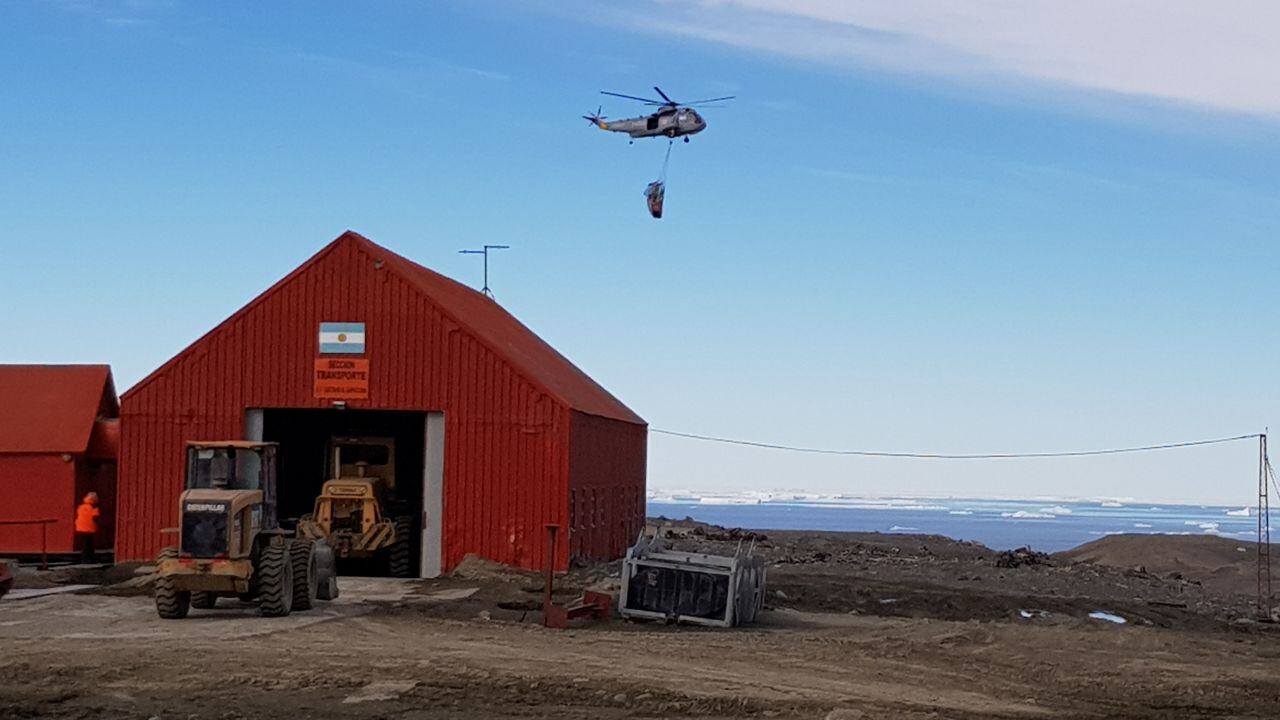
(958, 456)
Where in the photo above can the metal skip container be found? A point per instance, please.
(672, 586)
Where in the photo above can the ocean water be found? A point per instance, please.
(1046, 525)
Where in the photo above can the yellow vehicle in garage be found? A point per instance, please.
(355, 512)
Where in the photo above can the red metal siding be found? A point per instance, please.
(606, 485)
(507, 440)
(52, 408)
(35, 487)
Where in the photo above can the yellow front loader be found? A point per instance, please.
(351, 513)
(229, 542)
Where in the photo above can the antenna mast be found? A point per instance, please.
(485, 252)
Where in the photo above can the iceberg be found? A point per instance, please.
(727, 500)
(1024, 515)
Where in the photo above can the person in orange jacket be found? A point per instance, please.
(87, 526)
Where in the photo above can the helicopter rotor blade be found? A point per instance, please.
(664, 96)
(647, 101)
(710, 100)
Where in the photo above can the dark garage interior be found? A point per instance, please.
(304, 437)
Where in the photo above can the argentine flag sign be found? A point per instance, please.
(342, 338)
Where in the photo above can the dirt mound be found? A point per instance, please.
(474, 567)
(30, 577)
(1226, 566)
(1021, 556)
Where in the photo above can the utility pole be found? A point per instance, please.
(1264, 530)
(485, 252)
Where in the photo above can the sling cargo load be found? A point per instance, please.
(654, 195)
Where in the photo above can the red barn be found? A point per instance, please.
(58, 441)
(497, 433)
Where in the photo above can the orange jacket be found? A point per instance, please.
(87, 518)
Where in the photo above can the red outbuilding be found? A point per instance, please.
(59, 438)
(495, 432)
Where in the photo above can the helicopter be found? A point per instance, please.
(672, 120)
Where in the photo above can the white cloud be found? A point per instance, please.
(1219, 55)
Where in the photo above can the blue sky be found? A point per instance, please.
(905, 234)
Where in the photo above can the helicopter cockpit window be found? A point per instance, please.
(224, 469)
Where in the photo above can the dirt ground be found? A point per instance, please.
(858, 626)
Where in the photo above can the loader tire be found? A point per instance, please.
(171, 603)
(203, 600)
(326, 572)
(398, 565)
(306, 576)
(275, 580)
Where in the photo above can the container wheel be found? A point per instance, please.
(398, 565)
(306, 578)
(203, 600)
(171, 603)
(275, 580)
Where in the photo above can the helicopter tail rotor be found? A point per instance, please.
(596, 118)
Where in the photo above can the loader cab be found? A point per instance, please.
(247, 466)
(229, 497)
(373, 458)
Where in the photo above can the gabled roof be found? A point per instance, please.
(52, 408)
(504, 335)
(480, 316)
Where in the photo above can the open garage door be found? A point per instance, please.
(396, 447)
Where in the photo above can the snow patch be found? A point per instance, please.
(1109, 617)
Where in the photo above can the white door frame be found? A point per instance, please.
(433, 497)
(253, 424)
(432, 558)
